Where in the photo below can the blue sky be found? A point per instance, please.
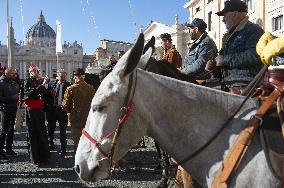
(88, 21)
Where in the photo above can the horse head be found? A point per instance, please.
(91, 160)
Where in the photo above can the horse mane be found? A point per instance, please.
(93, 79)
(165, 68)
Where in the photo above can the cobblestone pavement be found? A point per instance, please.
(19, 172)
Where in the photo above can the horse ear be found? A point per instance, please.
(134, 55)
(150, 44)
(145, 58)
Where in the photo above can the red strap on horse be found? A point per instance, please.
(125, 113)
(98, 144)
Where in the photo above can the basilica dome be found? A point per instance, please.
(41, 34)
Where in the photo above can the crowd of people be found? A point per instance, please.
(45, 101)
(237, 63)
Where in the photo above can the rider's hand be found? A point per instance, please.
(219, 61)
(210, 65)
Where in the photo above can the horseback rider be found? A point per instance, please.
(238, 56)
(171, 55)
(202, 49)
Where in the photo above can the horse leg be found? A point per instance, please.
(164, 165)
(187, 179)
(184, 179)
(179, 179)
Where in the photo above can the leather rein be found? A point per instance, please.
(125, 111)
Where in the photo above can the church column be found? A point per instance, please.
(47, 68)
(40, 68)
(21, 75)
(69, 73)
(39, 65)
(24, 70)
(50, 63)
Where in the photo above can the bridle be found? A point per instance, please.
(125, 111)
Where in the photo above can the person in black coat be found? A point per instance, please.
(9, 97)
(37, 135)
(54, 112)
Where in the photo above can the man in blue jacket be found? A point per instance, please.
(201, 51)
(238, 56)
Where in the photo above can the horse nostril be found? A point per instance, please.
(77, 169)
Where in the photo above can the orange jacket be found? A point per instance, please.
(173, 56)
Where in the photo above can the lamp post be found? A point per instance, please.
(9, 37)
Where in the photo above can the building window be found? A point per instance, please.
(210, 21)
(75, 51)
(249, 4)
(277, 23)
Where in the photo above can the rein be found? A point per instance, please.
(126, 109)
(249, 93)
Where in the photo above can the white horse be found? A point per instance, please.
(180, 116)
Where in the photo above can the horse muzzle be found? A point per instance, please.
(91, 173)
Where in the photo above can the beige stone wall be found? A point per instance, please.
(201, 9)
(110, 47)
(178, 32)
(262, 12)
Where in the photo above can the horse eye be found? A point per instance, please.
(98, 108)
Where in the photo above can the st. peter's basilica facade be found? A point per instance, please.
(39, 49)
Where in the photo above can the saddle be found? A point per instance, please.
(272, 91)
(271, 131)
(273, 142)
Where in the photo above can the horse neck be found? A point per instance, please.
(182, 117)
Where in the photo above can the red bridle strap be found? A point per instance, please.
(126, 112)
(97, 143)
(121, 121)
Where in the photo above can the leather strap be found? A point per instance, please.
(239, 148)
(125, 111)
(97, 143)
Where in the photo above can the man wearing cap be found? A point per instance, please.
(54, 112)
(238, 55)
(202, 50)
(77, 101)
(171, 55)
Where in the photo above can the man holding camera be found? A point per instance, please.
(54, 112)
